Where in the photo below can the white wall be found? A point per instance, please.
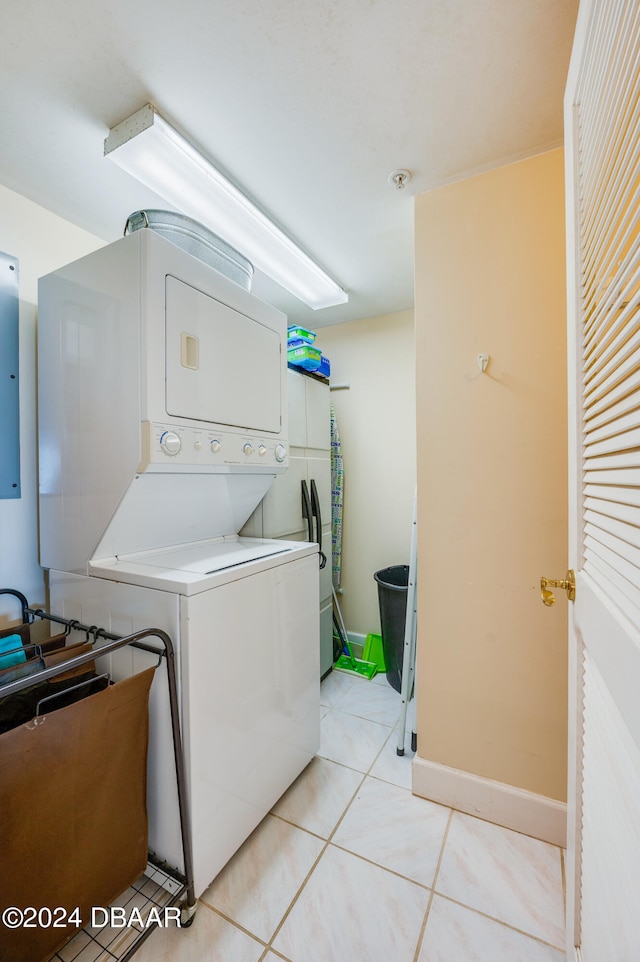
(376, 419)
(42, 242)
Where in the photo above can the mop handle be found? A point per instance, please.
(340, 619)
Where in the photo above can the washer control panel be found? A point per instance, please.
(203, 449)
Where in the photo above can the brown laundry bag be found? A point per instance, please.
(54, 642)
(19, 708)
(58, 655)
(24, 631)
(73, 819)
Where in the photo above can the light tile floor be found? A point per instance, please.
(351, 867)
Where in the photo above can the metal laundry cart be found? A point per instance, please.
(162, 884)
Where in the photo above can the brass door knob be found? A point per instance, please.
(568, 584)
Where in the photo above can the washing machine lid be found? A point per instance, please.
(191, 568)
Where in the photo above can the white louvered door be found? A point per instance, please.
(602, 125)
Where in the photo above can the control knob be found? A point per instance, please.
(280, 452)
(170, 443)
(247, 448)
(216, 445)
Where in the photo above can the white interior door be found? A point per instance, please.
(602, 118)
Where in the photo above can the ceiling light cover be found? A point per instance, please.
(147, 147)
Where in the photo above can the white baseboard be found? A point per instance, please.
(524, 812)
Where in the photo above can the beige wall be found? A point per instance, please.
(492, 475)
(376, 419)
(42, 242)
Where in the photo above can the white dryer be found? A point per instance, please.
(162, 423)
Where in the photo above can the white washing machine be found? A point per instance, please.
(162, 424)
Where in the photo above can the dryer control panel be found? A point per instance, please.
(171, 447)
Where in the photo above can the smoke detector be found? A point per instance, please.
(399, 178)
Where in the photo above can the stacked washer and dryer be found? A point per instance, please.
(162, 424)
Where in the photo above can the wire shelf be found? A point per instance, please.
(154, 889)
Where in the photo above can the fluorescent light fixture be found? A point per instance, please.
(147, 147)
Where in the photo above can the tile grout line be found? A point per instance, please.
(354, 714)
(269, 949)
(288, 821)
(295, 898)
(384, 745)
(392, 729)
(384, 868)
(389, 729)
(506, 925)
(328, 841)
(334, 762)
(268, 946)
(315, 864)
(470, 908)
(380, 724)
(236, 925)
(343, 701)
(416, 954)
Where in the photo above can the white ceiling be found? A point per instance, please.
(307, 106)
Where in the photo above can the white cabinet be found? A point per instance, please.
(283, 512)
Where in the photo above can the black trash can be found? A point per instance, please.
(393, 586)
